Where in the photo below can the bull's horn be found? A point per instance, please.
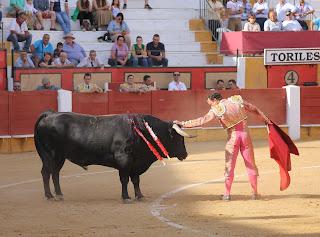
(181, 132)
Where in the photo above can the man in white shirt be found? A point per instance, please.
(260, 9)
(235, 10)
(19, 32)
(290, 24)
(282, 7)
(90, 61)
(63, 61)
(272, 24)
(176, 84)
(303, 10)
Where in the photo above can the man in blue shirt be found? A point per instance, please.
(40, 47)
(75, 51)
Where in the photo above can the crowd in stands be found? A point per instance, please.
(92, 15)
(240, 15)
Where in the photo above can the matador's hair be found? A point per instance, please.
(215, 96)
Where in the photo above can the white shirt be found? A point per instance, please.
(215, 10)
(261, 6)
(272, 26)
(58, 62)
(234, 6)
(291, 25)
(303, 9)
(87, 62)
(281, 10)
(19, 29)
(30, 8)
(174, 86)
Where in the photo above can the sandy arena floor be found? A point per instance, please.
(182, 198)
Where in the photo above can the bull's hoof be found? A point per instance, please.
(58, 198)
(127, 201)
(140, 198)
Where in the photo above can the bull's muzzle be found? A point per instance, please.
(181, 132)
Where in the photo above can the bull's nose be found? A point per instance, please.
(183, 157)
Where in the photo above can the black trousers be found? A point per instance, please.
(303, 25)
(213, 26)
(85, 15)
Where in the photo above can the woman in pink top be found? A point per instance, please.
(232, 114)
(119, 53)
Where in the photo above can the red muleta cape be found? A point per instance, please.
(281, 146)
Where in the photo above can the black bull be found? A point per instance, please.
(102, 140)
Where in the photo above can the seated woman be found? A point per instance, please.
(119, 27)
(101, 13)
(272, 24)
(85, 12)
(251, 25)
(47, 60)
(139, 53)
(115, 8)
(119, 53)
(34, 17)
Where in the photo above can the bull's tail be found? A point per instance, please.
(44, 155)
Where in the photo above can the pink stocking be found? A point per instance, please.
(228, 184)
(253, 181)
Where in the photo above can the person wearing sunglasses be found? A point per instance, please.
(176, 84)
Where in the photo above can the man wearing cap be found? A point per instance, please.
(232, 114)
(75, 51)
(87, 86)
(290, 24)
(282, 7)
(46, 85)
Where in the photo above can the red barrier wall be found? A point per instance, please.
(304, 73)
(4, 113)
(198, 74)
(3, 79)
(123, 103)
(86, 103)
(26, 108)
(174, 105)
(310, 105)
(271, 101)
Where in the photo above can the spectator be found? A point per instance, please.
(46, 85)
(61, 9)
(176, 84)
(40, 47)
(260, 9)
(44, 8)
(272, 24)
(139, 53)
(101, 13)
(119, 27)
(235, 10)
(148, 84)
(216, 9)
(316, 24)
(91, 61)
(24, 60)
(47, 60)
(251, 25)
(282, 7)
(16, 6)
(146, 4)
(220, 85)
(156, 52)
(87, 86)
(290, 24)
(247, 11)
(63, 61)
(58, 50)
(232, 85)
(303, 10)
(115, 8)
(0, 15)
(130, 86)
(119, 53)
(85, 12)
(33, 15)
(16, 86)
(19, 32)
(75, 51)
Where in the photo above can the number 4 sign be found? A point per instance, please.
(291, 78)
